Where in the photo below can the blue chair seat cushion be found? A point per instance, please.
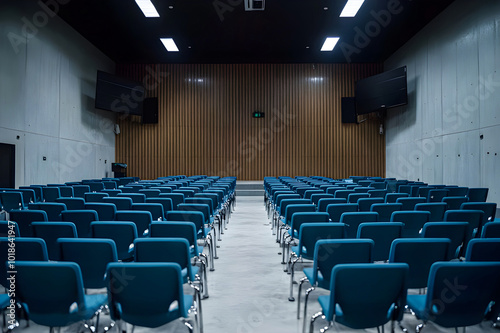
(309, 272)
(92, 302)
(417, 304)
(303, 253)
(184, 272)
(152, 319)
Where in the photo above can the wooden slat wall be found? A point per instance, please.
(205, 123)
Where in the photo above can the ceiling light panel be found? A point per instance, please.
(169, 44)
(351, 8)
(329, 43)
(147, 8)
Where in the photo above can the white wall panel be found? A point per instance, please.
(456, 63)
(47, 89)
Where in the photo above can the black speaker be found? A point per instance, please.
(150, 110)
(348, 105)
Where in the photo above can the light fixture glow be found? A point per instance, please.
(329, 43)
(351, 8)
(147, 8)
(169, 44)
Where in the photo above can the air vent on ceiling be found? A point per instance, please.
(251, 5)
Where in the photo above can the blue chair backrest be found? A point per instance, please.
(413, 221)
(457, 191)
(419, 254)
(366, 203)
(136, 197)
(81, 219)
(66, 191)
(9, 228)
(50, 194)
(298, 218)
(53, 209)
(377, 193)
(155, 209)
(477, 194)
(122, 233)
(105, 211)
(474, 291)
(437, 195)
(473, 217)
(126, 297)
(336, 210)
(80, 190)
(393, 197)
(310, 233)
(459, 234)
(369, 295)
(324, 202)
(177, 198)
(354, 197)
(491, 230)
(165, 202)
(489, 209)
(383, 234)
(186, 230)
(23, 218)
(331, 252)
(12, 201)
(292, 209)
(95, 196)
(410, 202)
(92, 255)
(454, 202)
(50, 232)
(353, 219)
(142, 219)
(483, 249)
(72, 203)
(436, 209)
(121, 203)
(385, 210)
(150, 193)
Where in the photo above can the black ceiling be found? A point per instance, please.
(221, 31)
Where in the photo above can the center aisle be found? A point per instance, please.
(248, 290)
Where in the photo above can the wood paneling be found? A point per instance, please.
(206, 125)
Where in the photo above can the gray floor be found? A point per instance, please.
(248, 289)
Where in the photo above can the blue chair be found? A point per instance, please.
(383, 234)
(95, 186)
(53, 292)
(454, 202)
(155, 209)
(95, 196)
(354, 197)
(9, 228)
(186, 230)
(142, 220)
(50, 194)
(364, 295)
(437, 195)
(423, 191)
(413, 221)
(457, 191)
(146, 299)
(393, 197)
(419, 254)
(365, 204)
(315, 198)
(121, 203)
(81, 219)
(343, 193)
(31, 194)
(324, 202)
(489, 209)
(336, 210)
(436, 209)
(353, 219)
(12, 201)
(177, 198)
(50, 232)
(385, 210)
(122, 233)
(458, 233)
(309, 234)
(410, 202)
(110, 185)
(66, 192)
(165, 202)
(80, 190)
(483, 249)
(379, 193)
(53, 209)
(24, 218)
(150, 193)
(473, 217)
(105, 211)
(477, 194)
(72, 203)
(327, 254)
(92, 255)
(111, 193)
(467, 289)
(136, 197)
(491, 230)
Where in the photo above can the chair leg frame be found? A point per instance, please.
(306, 299)
(313, 319)
(304, 279)
(292, 273)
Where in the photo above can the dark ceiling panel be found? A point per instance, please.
(221, 31)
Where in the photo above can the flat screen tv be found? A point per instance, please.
(382, 91)
(117, 94)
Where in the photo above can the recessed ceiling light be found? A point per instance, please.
(351, 8)
(329, 43)
(169, 44)
(170, 7)
(189, 46)
(307, 47)
(325, 8)
(147, 8)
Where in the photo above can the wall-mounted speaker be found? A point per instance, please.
(150, 110)
(348, 105)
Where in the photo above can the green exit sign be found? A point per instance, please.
(258, 114)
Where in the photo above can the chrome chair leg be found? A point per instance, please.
(313, 319)
(189, 326)
(308, 291)
(292, 271)
(304, 279)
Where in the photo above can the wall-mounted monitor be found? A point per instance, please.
(382, 91)
(117, 94)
